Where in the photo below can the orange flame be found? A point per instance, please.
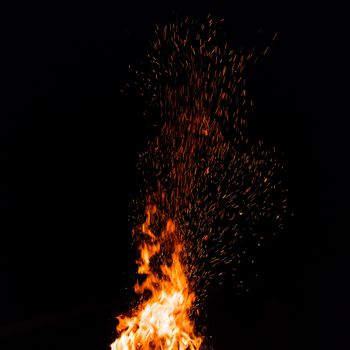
(162, 321)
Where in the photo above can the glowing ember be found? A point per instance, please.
(162, 321)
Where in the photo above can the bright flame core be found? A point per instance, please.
(162, 321)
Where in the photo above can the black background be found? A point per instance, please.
(68, 147)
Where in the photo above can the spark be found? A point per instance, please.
(203, 170)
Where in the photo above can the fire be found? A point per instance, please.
(162, 321)
(209, 182)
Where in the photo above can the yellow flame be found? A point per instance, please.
(162, 321)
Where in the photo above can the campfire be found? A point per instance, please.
(206, 183)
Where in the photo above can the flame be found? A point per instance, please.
(162, 321)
